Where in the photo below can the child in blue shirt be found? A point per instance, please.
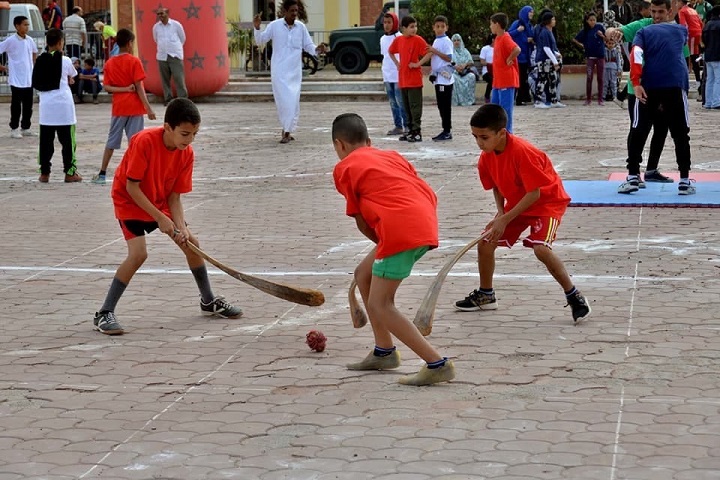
(592, 40)
(89, 81)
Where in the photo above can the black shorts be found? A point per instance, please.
(136, 228)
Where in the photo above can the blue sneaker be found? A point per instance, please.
(98, 179)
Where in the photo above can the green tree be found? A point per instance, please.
(471, 19)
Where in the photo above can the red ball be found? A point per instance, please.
(316, 340)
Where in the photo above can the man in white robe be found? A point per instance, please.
(289, 38)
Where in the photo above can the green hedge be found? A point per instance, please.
(471, 19)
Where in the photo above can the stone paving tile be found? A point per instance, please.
(633, 393)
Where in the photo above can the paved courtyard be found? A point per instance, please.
(633, 393)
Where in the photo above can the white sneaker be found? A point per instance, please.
(28, 133)
(686, 189)
(542, 105)
(628, 186)
(15, 133)
(558, 105)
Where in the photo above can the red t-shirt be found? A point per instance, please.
(121, 71)
(504, 75)
(411, 49)
(385, 189)
(159, 170)
(522, 168)
(690, 18)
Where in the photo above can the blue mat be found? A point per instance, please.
(592, 193)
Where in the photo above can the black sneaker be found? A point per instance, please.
(477, 301)
(404, 137)
(657, 177)
(578, 304)
(415, 137)
(220, 308)
(105, 322)
(443, 136)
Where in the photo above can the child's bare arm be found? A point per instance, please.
(178, 215)
(524, 203)
(513, 55)
(422, 61)
(499, 201)
(434, 51)
(365, 229)
(112, 89)
(140, 89)
(498, 225)
(165, 224)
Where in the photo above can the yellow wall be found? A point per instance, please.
(325, 14)
(114, 12)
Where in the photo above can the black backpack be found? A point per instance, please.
(47, 71)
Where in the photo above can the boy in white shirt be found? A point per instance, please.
(390, 75)
(21, 51)
(57, 109)
(441, 64)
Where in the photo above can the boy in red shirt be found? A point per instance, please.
(396, 210)
(689, 17)
(528, 194)
(506, 78)
(412, 48)
(123, 77)
(155, 171)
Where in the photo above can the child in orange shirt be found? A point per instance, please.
(506, 79)
(528, 194)
(155, 171)
(123, 76)
(412, 48)
(395, 209)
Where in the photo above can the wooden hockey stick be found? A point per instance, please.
(425, 314)
(359, 318)
(302, 296)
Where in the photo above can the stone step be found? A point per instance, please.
(307, 86)
(319, 96)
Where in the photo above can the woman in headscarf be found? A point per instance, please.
(521, 32)
(466, 74)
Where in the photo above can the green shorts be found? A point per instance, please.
(398, 266)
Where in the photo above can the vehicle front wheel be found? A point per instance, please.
(350, 59)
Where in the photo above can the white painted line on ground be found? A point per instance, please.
(187, 391)
(618, 425)
(310, 273)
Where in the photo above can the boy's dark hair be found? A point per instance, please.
(490, 116)
(441, 19)
(53, 37)
(662, 3)
(490, 39)
(76, 9)
(645, 4)
(350, 128)
(501, 19)
(124, 36)
(407, 21)
(546, 18)
(90, 61)
(288, 3)
(181, 110)
(18, 20)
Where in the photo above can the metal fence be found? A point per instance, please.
(255, 59)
